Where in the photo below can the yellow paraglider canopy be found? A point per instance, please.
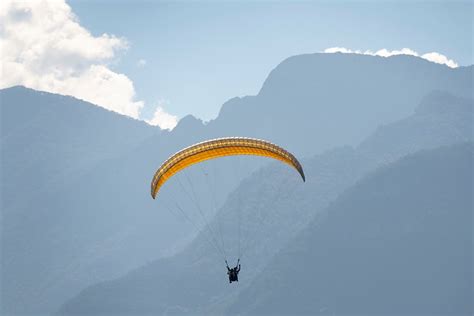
(230, 146)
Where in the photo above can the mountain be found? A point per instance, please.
(398, 242)
(274, 207)
(337, 99)
(48, 142)
(75, 178)
(48, 137)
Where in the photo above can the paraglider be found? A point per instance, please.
(216, 148)
(233, 272)
(220, 147)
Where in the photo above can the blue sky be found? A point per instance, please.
(190, 57)
(199, 54)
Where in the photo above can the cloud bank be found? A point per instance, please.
(432, 57)
(44, 47)
(163, 119)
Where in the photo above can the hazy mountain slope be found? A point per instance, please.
(49, 141)
(48, 137)
(87, 218)
(439, 119)
(399, 242)
(274, 206)
(338, 99)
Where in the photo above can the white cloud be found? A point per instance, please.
(338, 50)
(433, 57)
(44, 47)
(440, 59)
(163, 119)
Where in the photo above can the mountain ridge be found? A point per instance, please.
(77, 221)
(329, 174)
(397, 241)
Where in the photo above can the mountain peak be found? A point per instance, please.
(189, 120)
(188, 125)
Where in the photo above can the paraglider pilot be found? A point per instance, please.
(233, 272)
